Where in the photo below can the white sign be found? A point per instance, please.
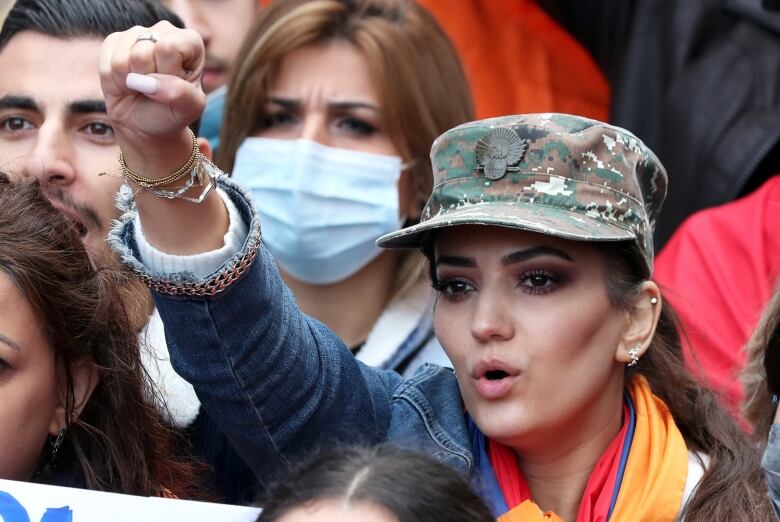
(25, 502)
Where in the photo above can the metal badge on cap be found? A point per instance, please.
(498, 151)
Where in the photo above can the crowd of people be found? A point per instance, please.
(395, 260)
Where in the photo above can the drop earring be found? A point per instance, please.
(634, 354)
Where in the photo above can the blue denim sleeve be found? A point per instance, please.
(771, 465)
(277, 382)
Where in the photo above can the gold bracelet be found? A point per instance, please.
(178, 175)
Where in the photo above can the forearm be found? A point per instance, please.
(276, 381)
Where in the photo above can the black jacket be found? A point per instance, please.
(698, 81)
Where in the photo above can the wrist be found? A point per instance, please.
(155, 157)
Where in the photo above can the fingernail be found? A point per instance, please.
(142, 83)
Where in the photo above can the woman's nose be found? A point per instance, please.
(492, 319)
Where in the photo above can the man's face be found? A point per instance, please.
(53, 126)
(223, 25)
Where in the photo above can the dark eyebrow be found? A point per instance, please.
(87, 106)
(464, 262)
(19, 102)
(9, 342)
(348, 105)
(524, 255)
(285, 102)
(291, 103)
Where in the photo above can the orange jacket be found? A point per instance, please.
(518, 59)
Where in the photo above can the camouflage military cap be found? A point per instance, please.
(554, 174)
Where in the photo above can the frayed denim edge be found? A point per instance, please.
(122, 241)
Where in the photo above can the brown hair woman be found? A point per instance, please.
(74, 407)
(333, 95)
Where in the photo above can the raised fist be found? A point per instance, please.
(151, 81)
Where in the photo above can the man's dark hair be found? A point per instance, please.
(82, 18)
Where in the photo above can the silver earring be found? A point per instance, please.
(653, 300)
(634, 354)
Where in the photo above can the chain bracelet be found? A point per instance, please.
(210, 288)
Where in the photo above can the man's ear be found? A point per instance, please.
(641, 321)
(85, 378)
(205, 148)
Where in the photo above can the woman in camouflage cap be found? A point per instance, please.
(539, 237)
(571, 395)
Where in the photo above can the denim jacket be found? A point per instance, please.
(278, 383)
(771, 465)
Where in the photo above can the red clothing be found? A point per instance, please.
(719, 270)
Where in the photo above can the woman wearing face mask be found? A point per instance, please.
(571, 399)
(74, 410)
(330, 118)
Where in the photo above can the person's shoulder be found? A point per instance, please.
(433, 385)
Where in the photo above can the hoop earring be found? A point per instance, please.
(634, 354)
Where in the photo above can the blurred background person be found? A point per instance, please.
(222, 24)
(379, 484)
(76, 409)
(54, 128)
(333, 108)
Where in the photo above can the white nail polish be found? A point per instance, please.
(142, 83)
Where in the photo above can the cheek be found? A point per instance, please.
(13, 155)
(28, 400)
(452, 331)
(574, 344)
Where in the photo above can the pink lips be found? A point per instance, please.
(494, 379)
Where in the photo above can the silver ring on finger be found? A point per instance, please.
(151, 37)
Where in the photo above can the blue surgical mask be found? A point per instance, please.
(321, 208)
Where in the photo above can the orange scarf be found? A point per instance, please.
(654, 478)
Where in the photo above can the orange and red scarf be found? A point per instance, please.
(640, 476)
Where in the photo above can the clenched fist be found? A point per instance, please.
(151, 81)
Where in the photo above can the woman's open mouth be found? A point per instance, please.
(494, 379)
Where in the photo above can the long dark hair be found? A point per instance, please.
(412, 487)
(733, 487)
(117, 443)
